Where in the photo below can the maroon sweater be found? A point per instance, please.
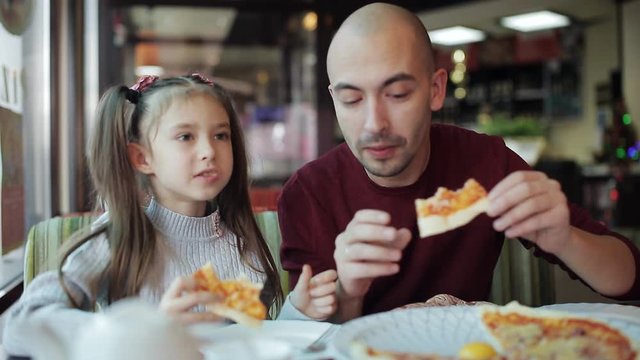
(321, 198)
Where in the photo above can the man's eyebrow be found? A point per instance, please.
(395, 78)
(398, 77)
(343, 86)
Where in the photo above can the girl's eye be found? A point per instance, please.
(222, 136)
(184, 137)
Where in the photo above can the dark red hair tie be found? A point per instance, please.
(143, 83)
(133, 93)
(202, 78)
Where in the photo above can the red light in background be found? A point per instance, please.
(613, 195)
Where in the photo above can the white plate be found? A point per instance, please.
(440, 330)
(299, 334)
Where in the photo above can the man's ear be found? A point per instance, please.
(330, 90)
(138, 156)
(438, 89)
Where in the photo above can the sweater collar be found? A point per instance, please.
(175, 225)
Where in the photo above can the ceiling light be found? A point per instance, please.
(539, 20)
(455, 35)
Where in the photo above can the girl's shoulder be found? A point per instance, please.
(102, 220)
(95, 252)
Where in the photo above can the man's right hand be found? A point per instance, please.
(368, 248)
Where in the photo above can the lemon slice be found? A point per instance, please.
(477, 351)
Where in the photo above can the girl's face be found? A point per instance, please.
(190, 159)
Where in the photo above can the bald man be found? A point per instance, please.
(353, 209)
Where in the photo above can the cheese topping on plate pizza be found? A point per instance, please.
(517, 332)
(526, 333)
(239, 298)
(448, 209)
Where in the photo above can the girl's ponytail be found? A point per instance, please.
(117, 183)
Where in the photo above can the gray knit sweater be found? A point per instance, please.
(184, 244)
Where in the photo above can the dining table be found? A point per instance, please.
(441, 325)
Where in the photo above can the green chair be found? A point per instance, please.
(46, 237)
(44, 241)
(521, 276)
(268, 224)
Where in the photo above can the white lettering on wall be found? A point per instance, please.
(11, 91)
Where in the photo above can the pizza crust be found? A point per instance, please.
(437, 224)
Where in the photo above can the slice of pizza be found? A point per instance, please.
(526, 333)
(239, 298)
(448, 209)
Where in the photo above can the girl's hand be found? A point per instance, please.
(181, 297)
(315, 296)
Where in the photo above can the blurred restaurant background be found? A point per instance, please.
(566, 96)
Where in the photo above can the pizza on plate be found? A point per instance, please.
(449, 209)
(525, 333)
(239, 298)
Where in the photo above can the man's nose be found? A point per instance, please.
(376, 117)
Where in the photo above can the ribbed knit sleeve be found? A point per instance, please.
(41, 306)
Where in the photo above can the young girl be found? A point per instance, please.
(169, 165)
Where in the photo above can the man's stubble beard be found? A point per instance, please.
(380, 171)
(399, 142)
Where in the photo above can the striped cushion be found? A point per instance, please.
(268, 224)
(44, 240)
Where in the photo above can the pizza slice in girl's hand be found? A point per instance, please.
(240, 298)
(448, 209)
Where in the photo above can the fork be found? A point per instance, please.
(321, 343)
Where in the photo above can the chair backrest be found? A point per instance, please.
(44, 240)
(268, 224)
(46, 237)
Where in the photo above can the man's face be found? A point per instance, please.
(382, 93)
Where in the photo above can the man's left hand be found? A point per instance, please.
(530, 205)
